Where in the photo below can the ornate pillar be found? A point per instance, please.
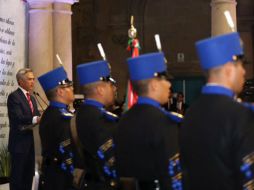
(62, 38)
(40, 38)
(219, 22)
(49, 34)
(40, 51)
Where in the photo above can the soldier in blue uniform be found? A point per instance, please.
(96, 126)
(57, 145)
(147, 135)
(217, 136)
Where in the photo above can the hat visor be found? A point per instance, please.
(108, 79)
(66, 83)
(165, 75)
(238, 57)
(113, 81)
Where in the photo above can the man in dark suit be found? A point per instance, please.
(147, 138)
(23, 115)
(217, 135)
(179, 106)
(96, 126)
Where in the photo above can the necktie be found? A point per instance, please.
(30, 102)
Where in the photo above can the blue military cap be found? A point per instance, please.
(54, 78)
(147, 66)
(219, 50)
(93, 72)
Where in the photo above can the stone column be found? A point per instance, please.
(40, 35)
(40, 38)
(40, 50)
(219, 22)
(62, 38)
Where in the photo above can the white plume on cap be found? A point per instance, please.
(59, 60)
(158, 44)
(103, 55)
(229, 20)
(158, 41)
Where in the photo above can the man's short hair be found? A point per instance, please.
(89, 89)
(141, 87)
(51, 94)
(213, 71)
(21, 73)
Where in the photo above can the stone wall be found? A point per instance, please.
(179, 23)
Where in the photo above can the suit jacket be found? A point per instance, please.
(173, 107)
(20, 115)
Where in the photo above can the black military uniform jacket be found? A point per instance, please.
(57, 148)
(217, 142)
(95, 128)
(147, 144)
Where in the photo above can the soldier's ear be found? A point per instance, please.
(228, 73)
(229, 69)
(59, 92)
(153, 85)
(100, 89)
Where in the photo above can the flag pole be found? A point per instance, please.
(133, 47)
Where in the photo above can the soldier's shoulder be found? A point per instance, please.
(65, 114)
(110, 116)
(175, 117)
(249, 106)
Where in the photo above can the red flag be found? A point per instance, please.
(131, 98)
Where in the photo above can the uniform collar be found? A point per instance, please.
(57, 104)
(93, 103)
(146, 100)
(217, 89)
(108, 115)
(173, 116)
